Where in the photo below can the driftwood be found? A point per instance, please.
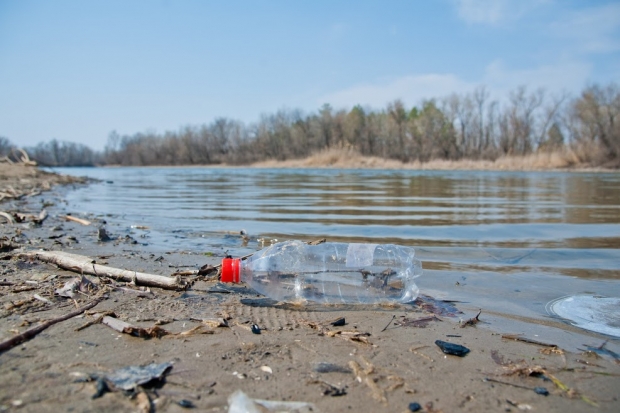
(31, 332)
(86, 265)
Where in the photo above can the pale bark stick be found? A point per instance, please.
(86, 265)
(78, 220)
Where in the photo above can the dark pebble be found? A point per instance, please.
(339, 323)
(186, 403)
(255, 329)
(414, 407)
(542, 391)
(452, 349)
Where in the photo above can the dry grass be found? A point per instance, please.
(347, 158)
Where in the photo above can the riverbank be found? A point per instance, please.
(350, 159)
(381, 359)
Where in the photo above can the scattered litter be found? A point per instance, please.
(81, 284)
(128, 378)
(542, 391)
(339, 322)
(452, 349)
(255, 329)
(239, 402)
(126, 328)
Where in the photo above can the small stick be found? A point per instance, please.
(388, 324)
(506, 383)
(78, 220)
(516, 337)
(31, 332)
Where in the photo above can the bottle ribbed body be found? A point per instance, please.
(334, 273)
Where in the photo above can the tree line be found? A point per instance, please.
(459, 126)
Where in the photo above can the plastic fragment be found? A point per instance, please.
(542, 391)
(129, 377)
(452, 349)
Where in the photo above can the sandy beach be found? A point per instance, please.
(219, 338)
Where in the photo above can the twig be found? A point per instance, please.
(30, 333)
(517, 337)
(388, 324)
(472, 321)
(506, 383)
(78, 220)
(85, 265)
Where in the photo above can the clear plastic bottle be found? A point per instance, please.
(330, 273)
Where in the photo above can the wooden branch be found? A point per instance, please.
(86, 265)
(31, 332)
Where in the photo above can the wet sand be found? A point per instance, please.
(298, 355)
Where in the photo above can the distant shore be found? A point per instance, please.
(351, 159)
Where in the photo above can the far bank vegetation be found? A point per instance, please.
(527, 127)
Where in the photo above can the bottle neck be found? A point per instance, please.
(231, 270)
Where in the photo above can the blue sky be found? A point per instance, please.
(76, 70)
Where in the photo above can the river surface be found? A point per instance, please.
(506, 242)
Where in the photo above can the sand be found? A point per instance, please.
(299, 355)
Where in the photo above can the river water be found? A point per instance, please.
(506, 242)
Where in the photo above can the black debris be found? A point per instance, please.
(452, 349)
(414, 407)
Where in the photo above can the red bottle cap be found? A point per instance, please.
(230, 270)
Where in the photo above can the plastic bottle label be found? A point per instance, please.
(360, 255)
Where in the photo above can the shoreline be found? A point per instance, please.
(342, 158)
(374, 366)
